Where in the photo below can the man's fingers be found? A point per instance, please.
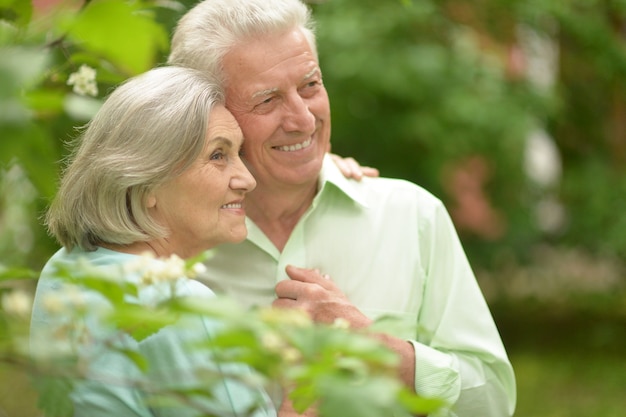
(284, 303)
(289, 289)
(311, 276)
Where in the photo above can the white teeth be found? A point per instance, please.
(232, 206)
(296, 147)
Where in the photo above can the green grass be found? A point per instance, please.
(569, 384)
(569, 359)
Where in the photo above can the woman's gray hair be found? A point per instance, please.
(210, 29)
(148, 131)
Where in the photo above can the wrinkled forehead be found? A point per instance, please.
(262, 63)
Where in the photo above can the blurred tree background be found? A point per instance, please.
(513, 112)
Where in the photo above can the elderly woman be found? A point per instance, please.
(157, 171)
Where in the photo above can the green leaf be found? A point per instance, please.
(45, 101)
(136, 357)
(140, 321)
(373, 397)
(17, 273)
(21, 67)
(112, 287)
(54, 396)
(419, 405)
(19, 11)
(120, 32)
(33, 148)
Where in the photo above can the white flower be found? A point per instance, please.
(164, 270)
(341, 323)
(69, 299)
(17, 303)
(84, 81)
(139, 264)
(75, 297)
(542, 160)
(291, 355)
(271, 341)
(196, 269)
(53, 303)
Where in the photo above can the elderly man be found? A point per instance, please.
(384, 247)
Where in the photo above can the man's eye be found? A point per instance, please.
(265, 105)
(310, 88)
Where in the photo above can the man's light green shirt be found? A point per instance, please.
(391, 247)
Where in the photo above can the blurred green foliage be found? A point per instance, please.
(39, 113)
(418, 89)
(339, 370)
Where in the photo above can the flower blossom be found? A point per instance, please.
(341, 323)
(164, 270)
(196, 269)
(70, 298)
(17, 303)
(84, 81)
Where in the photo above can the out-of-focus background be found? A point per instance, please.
(513, 112)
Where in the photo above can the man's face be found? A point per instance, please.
(274, 89)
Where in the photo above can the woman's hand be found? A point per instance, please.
(350, 168)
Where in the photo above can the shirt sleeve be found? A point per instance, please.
(459, 356)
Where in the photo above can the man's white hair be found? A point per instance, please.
(211, 28)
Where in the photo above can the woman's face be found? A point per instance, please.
(203, 206)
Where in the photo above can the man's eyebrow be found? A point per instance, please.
(270, 91)
(311, 73)
(266, 92)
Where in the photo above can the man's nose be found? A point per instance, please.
(298, 116)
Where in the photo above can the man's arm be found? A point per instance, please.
(325, 302)
(468, 382)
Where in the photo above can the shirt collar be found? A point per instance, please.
(332, 176)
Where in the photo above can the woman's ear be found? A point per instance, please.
(151, 201)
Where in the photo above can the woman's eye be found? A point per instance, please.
(215, 156)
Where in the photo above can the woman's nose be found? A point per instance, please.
(243, 179)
